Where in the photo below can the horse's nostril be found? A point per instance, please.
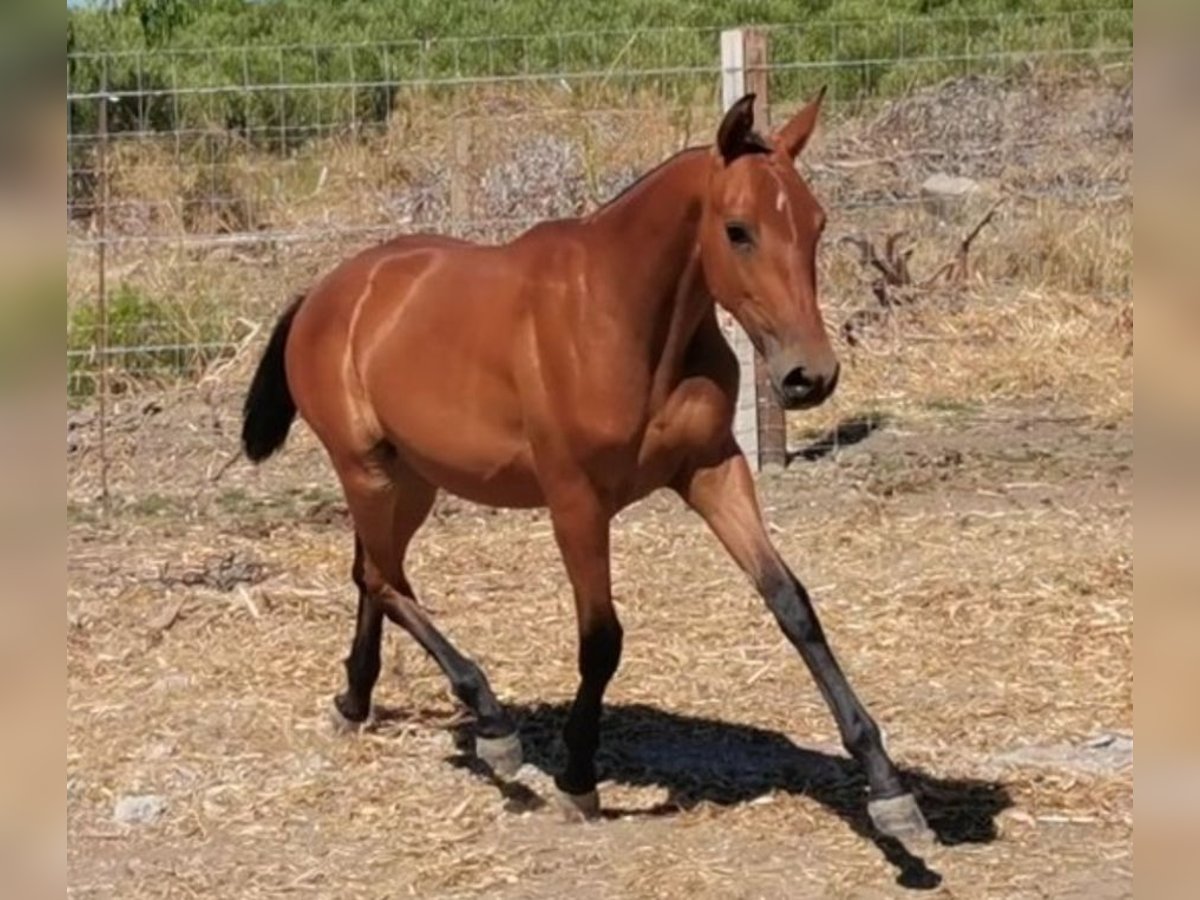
(833, 382)
(797, 381)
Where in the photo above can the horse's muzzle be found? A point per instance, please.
(800, 390)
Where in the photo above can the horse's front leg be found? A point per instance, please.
(581, 527)
(723, 494)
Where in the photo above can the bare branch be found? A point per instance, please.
(895, 287)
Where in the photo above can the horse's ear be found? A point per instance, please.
(736, 128)
(795, 134)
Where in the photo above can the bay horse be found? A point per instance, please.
(578, 367)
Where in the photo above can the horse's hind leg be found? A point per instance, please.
(353, 706)
(387, 513)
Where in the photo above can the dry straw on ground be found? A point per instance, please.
(972, 561)
(975, 583)
(962, 510)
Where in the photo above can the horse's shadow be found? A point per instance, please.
(700, 760)
(846, 433)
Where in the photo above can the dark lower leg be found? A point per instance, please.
(467, 680)
(723, 493)
(599, 656)
(387, 512)
(363, 663)
(581, 526)
(793, 609)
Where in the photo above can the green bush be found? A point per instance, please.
(235, 60)
(147, 338)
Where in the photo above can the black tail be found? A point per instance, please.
(270, 409)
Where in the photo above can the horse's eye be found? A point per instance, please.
(739, 235)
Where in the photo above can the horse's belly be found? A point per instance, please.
(508, 483)
(474, 458)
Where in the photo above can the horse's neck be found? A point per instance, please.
(647, 241)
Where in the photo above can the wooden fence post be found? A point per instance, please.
(460, 179)
(758, 425)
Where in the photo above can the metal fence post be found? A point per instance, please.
(101, 336)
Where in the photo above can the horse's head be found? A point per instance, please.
(758, 243)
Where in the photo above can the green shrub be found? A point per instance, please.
(148, 338)
(235, 61)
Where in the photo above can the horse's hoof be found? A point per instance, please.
(342, 724)
(578, 807)
(901, 818)
(502, 755)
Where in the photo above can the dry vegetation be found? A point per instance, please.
(487, 162)
(962, 509)
(976, 579)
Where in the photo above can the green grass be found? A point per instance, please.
(954, 407)
(145, 335)
(292, 502)
(361, 49)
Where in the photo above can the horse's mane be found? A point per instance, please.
(754, 143)
(647, 175)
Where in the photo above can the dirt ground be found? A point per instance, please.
(973, 568)
(962, 511)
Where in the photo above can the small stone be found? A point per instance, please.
(79, 420)
(1114, 741)
(158, 750)
(139, 809)
(946, 196)
(941, 184)
(313, 763)
(174, 682)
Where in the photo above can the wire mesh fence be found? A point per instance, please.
(218, 181)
